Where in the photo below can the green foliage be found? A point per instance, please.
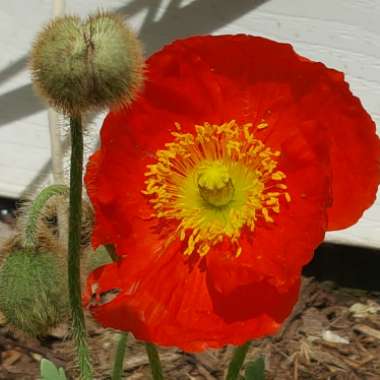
(255, 370)
(50, 372)
(237, 361)
(33, 291)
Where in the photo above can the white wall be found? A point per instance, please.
(344, 34)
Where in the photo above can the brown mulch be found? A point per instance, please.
(333, 334)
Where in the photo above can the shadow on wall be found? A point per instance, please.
(197, 17)
(176, 22)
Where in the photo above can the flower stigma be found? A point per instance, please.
(216, 182)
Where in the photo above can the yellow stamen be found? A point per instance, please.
(214, 183)
(262, 125)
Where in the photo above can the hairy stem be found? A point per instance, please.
(237, 361)
(117, 372)
(154, 361)
(75, 219)
(35, 211)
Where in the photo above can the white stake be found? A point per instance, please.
(53, 118)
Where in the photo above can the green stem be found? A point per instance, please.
(117, 372)
(154, 361)
(75, 220)
(237, 361)
(35, 211)
(121, 345)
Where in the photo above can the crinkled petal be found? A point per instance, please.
(276, 252)
(323, 96)
(170, 302)
(329, 152)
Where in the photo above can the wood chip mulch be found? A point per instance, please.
(333, 333)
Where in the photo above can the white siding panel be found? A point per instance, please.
(344, 34)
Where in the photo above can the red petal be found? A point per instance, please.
(313, 119)
(170, 302)
(322, 95)
(277, 252)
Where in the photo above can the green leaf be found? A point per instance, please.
(255, 370)
(50, 372)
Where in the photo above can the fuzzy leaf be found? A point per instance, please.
(50, 372)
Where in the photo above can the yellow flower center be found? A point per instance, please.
(216, 182)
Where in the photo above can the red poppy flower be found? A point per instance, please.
(216, 186)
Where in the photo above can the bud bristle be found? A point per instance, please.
(33, 291)
(79, 66)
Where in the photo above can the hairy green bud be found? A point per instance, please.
(33, 292)
(82, 65)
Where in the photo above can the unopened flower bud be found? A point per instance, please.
(78, 66)
(33, 292)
